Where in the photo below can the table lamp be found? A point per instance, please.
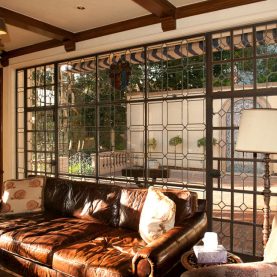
(258, 134)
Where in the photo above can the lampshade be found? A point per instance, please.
(3, 29)
(258, 131)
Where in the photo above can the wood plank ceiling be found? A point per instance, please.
(161, 11)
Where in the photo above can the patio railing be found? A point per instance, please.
(109, 162)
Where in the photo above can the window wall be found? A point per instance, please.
(173, 106)
(243, 77)
(136, 109)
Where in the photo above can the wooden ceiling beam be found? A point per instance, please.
(168, 23)
(117, 27)
(89, 34)
(33, 48)
(36, 26)
(160, 8)
(210, 6)
(163, 9)
(4, 61)
(181, 12)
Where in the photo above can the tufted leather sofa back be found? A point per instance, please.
(132, 200)
(84, 200)
(112, 204)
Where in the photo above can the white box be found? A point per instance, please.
(210, 257)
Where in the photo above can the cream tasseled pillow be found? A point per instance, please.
(21, 196)
(270, 253)
(157, 216)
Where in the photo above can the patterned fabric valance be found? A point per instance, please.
(174, 52)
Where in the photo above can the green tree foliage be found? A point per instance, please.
(79, 92)
(175, 141)
(178, 74)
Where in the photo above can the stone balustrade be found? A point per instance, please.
(110, 162)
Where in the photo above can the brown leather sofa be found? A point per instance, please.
(89, 229)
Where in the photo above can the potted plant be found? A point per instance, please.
(152, 144)
(202, 142)
(174, 142)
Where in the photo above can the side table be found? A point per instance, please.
(138, 172)
(189, 260)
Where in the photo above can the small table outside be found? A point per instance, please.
(189, 261)
(137, 172)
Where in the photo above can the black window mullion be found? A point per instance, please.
(209, 130)
(255, 156)
(45, 119)
(145, 107)
(232, 142)
(97, 102)
(16, 125)
(55, 163)
(25, 124)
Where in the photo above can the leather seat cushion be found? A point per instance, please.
(107, 255)
(17, 221)
(24, 267)
(40, 241)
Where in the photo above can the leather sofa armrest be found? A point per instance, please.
(162, 254)
(258, 269)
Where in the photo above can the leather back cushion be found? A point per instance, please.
(101, 202)
(132, 200)
(131, 204)
(83, 200)
(186, 203)
(55, 192)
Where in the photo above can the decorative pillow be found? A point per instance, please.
(157, 216)
(21, 196)
(270, 253)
